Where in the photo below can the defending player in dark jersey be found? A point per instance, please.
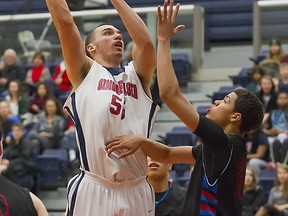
(216, 185)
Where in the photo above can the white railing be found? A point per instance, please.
(257, 30)
(196, 12)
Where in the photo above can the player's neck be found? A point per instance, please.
(159, 185)
(109, 63)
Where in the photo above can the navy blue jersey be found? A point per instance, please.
(217, 181)
(170, 203)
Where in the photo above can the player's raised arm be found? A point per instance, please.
(169, 89)
(143, 53)
(73, 50)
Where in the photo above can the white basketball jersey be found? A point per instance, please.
(105, 106)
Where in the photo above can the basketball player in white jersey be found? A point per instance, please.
(105, 102)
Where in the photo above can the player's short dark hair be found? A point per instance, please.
(251, 109)
(90, 37)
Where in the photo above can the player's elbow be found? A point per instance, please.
(147, 45)
(168, 94)
(65, 21)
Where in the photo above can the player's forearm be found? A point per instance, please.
(155, 150)
(167, 81)
(165, 154)
(134, 24)
(60, 14)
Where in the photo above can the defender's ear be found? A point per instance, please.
(236, 117)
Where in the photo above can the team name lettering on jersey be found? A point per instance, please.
(128, 88)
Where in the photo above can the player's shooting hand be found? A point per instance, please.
(166, 21)
(130, 143)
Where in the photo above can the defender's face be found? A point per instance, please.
(221, 110)
(108, 41)
(156, 169)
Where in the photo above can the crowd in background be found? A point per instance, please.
(31, 114)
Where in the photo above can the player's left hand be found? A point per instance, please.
(167, 19)
(130, 143)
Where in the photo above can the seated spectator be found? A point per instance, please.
(169, 197)
(7, 120)
(267, 94)
(277, 122)
(18, 158)
(11, 70)
(16, 200)
(68, 141)
(272, 61)
(257, 150)
(253, 196)
(278, 197)
(256, 74)
(49, 129)
(36, 105)
(17, 100)
(60, 84)
(282, 84)
(38, 72)
(279, 153)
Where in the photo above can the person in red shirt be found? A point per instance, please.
(60, 84)
(61, 79)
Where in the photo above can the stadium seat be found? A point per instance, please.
(181, 128)
(182, 67)
(222, 92)
(184, 179)
(182, 171)
(202, 109)
(50, 167)
(179, 138)
(11, 6)
(242, 78)
(266, 180)
(61, 155)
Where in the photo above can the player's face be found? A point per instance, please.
(221, 110)
(109, 42)
(157, 170)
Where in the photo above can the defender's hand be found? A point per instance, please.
(130, 143)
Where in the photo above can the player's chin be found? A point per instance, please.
(119, 56)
